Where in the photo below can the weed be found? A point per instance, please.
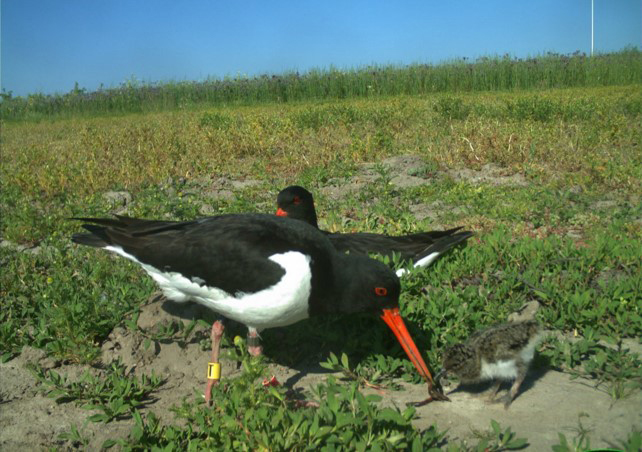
(75, 437)
(617, 368)
(375, 374)
(114, 394)
(217, 120)
(581, 441)
(49, 308)
(497, 439)
(452, 108)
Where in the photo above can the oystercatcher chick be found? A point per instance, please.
(421, 248)
(260, 270)
(501, 353)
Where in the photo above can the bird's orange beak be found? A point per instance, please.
(281, 213)
(396, 324)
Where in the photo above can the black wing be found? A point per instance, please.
(228, 251)
(410, 247)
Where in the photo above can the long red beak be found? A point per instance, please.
(281, 213)
(396, 324)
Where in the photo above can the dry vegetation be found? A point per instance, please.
(586, 137)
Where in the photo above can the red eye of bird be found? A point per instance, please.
(381, 291)
(296, 200)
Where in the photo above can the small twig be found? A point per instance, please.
(471, 148)
(348, 373)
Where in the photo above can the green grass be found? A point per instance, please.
(485, 74)
(569, 237)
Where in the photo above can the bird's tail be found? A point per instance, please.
(441, 245)
(97, 236)
(122, 230)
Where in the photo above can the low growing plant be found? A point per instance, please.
(114, 394)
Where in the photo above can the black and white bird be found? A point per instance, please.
(260, 270)
(500, 353)
(421, 248)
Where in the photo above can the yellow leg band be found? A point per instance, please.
(213, 371)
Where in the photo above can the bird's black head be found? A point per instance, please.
(368, 285)
(461, 360)
(296, 202)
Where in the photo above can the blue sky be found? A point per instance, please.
(48, 45)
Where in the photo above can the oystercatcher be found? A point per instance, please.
(260, 270)
(421, 248)
(501, 353)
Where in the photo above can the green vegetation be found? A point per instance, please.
(485, 74)
(581, 442)
(252, 417)
(565, 232)
(613, 368)
(113, 393)
(498, 440)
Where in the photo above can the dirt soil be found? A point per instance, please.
(550, 401)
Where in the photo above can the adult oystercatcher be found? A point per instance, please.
(421, 248)
(260, 270)
(501, 353)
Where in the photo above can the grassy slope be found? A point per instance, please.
(577, 148)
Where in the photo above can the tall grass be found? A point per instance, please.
(485, 74)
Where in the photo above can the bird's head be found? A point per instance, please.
(459, 359)
(296, 202)
(372, 286)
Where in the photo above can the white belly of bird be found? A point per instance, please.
(507, 369)
(503, 370)
(282, 304)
